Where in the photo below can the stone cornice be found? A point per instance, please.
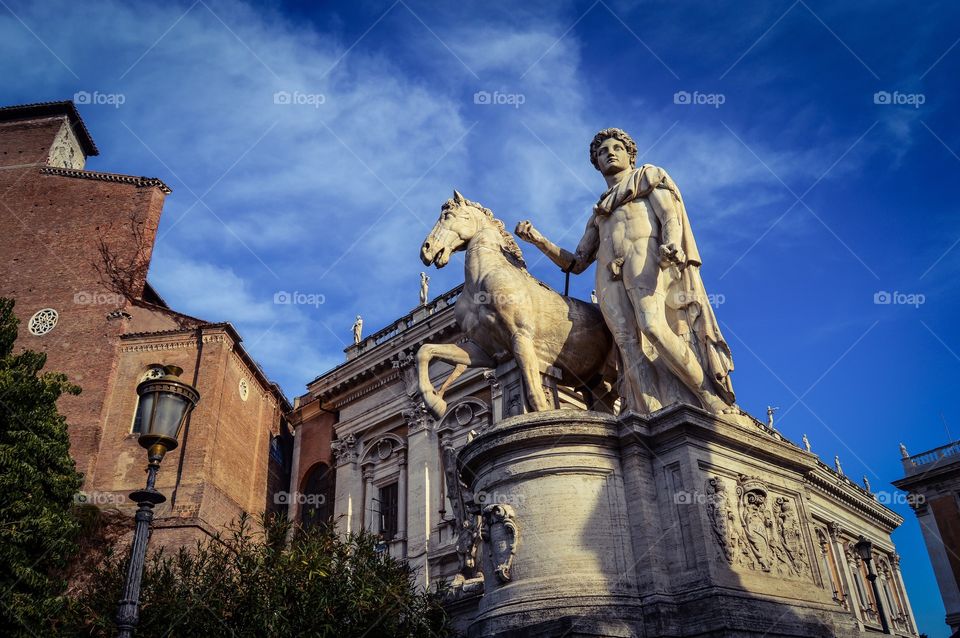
(433, 327)
(679, 421)
(829, 483)
(139, 182)
(176, 339)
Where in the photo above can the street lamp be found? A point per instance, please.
(864, 548)
(164, 405)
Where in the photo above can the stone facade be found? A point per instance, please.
(681, 523)
(52, 215)
(933, 481)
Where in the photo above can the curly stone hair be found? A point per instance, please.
(615, 133)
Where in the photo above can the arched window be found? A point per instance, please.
(316, 495)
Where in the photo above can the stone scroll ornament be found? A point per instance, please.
(468, 521)
(501, 534)
(749, 535)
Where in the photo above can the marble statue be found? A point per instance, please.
(770, 411)
(903, 451)
(648, 284)
(866, 484)
(424, 287)
(505, 313)
(837, 466)
(593, 297)
(806, 443)
(357, 329)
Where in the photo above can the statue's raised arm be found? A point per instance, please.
(568, 262)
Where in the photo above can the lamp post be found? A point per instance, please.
(164, 405)
(864, 548)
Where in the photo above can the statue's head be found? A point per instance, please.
(612, 151)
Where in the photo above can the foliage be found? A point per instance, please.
(38, 482)
(252, 581)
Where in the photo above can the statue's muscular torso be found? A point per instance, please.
(631, 233)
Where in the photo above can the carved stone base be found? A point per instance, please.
(677, 524)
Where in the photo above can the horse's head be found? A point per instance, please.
(459, 221)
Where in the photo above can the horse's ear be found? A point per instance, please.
(458, 198)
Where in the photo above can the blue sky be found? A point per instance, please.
(807, 196)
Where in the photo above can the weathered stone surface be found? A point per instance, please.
(677, 524)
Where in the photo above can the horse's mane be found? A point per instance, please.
(510, 247)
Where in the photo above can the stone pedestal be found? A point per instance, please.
(678, 524)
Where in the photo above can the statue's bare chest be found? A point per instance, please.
(631, 221)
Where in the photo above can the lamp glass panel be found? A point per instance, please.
(170, 411)
(144, 408)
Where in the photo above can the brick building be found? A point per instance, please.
(56, 218)
(933, 480)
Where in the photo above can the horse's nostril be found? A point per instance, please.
(426, 245)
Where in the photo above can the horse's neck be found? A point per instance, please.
(484, 251)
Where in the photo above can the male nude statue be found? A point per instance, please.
(648, 284)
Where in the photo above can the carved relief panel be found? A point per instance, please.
(755, 529)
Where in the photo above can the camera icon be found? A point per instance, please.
(282, 97)
(683, 498)
(80, 498)
(882, 97)
(482, 298)
(682, 97)
(82, 97)
(882, 298)
(482, 97)
(481, 498)
(281, 498)
(282, 298)
(82, 298)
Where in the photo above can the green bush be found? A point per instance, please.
(251, 581)
(38, 482)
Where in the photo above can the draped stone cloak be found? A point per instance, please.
(688, 308)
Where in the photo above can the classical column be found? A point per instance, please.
(371, 509)
(402, 496)
(293, 507)
(348, 502)
(902, 592)
(423, 465)
(854, 593)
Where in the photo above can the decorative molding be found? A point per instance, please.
(501, 534)
(417, 418)
(344, 450)
(763, 534)
(139, 182)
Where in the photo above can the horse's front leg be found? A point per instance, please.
(461, 356)
(529, 364)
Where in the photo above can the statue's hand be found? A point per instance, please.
(528, 233)
(672, 254)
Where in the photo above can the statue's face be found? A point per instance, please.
(612, 156)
